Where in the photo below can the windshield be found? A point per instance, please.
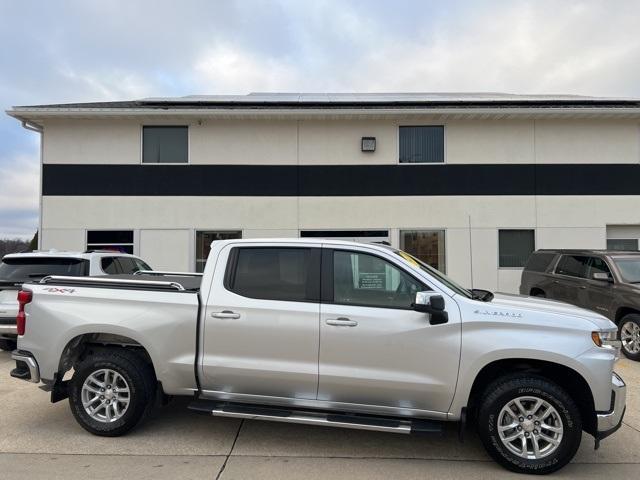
(435, 273)
(629, 269)
(25, 269)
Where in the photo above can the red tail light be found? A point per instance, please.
(24, 297)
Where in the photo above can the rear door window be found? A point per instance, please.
(288, 274)
(573, 266)
(26, 269)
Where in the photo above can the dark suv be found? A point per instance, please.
(606, 281)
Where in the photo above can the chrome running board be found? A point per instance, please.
(312, 417)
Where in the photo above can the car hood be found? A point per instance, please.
(550, 306)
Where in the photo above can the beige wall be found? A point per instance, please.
(327, 142)
(91, 141)
(166, 225)
(166, 249)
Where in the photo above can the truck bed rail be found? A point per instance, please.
(112, 283)
(172, 274)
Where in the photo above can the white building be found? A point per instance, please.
(469, 182)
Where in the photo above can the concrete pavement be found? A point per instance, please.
(41, 440)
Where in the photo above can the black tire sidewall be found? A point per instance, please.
(504, 392)
(8, 344)
(635, 318)
(139, 394)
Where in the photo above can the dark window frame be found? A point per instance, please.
(327, 280)
(441, 127)
(188, 144)
(313, 276)
(524, 265)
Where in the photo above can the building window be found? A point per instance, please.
(203, 244)
(426, 245)
(625, 244)
(112, 240)
(422, 144)
(515, 247)
(163, 144)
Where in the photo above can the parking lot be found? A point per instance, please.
(42, 440)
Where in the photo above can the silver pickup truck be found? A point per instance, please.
(327, 333)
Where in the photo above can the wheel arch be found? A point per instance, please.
(566, 377)
(623, 312)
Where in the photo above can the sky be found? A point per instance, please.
(87, 50)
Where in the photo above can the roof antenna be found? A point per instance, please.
(470, 252)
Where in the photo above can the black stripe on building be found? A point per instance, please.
(340, 180)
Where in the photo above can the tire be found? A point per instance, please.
(7, 344)
(117, 412)
(529, 389)
(629, 331)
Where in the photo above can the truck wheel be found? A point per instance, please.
(629, 332)
(111, 391)
(7, 344)
(529, 424)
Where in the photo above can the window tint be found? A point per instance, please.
(140, 265)
(127, 265)
(32, 268)
(367, 280)
(291, 274)
(515, 247)
(109, 265)
(163, 144)
(538, 262)
(573, 265)
(598, 265)
(421, 144)
(113, 240)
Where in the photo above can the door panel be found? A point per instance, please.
(598, 295)
(258, 346)
(379, 356)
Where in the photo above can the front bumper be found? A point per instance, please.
(609, 422)
(26, 367)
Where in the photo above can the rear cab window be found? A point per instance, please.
(25, 269)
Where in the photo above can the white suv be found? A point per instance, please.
(18, 268)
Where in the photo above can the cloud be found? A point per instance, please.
(86, 51)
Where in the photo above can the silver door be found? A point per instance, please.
(260, 346)
(376, 351)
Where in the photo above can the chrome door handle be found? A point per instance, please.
(225, 314)
(341, 322)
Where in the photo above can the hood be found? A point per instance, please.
(550, 306)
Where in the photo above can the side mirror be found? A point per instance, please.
(603, 277)
(434, 305)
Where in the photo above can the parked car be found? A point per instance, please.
(605, 281)
(17, 268)
(330, 333)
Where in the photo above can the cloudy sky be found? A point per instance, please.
(88, 50)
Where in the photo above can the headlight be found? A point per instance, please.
(607, 340)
